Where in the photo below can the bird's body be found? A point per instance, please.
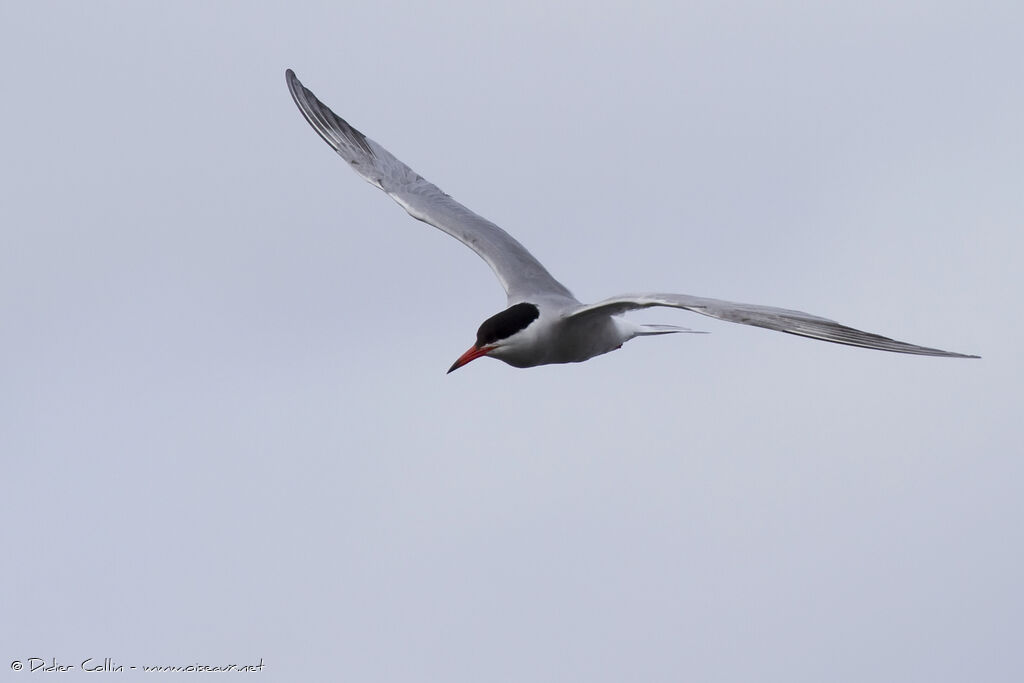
(555, 337)
(544, 323)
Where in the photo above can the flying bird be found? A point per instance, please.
(544, 323)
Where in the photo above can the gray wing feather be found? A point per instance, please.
(519, 272)
(768, 317)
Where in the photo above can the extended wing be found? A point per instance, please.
(520, 273)
(779, 319)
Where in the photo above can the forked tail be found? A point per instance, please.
(646, 330)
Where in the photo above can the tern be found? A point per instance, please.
(544, 323)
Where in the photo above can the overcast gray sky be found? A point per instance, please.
(225, 424)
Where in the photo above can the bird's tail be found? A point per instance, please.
(645, 330)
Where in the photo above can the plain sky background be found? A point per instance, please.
(225, 424)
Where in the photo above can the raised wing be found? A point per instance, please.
(520, 273)
(779, 319)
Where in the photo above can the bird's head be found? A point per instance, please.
(500, 333)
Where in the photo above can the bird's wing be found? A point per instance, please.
(780, 319)
(520, 273)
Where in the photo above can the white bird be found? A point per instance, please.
(544, 323)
